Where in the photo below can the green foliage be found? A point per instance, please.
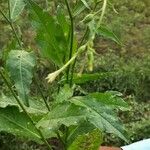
(12, 121)
(136, 122)
(100, 115)
(129, 76)
(50, 36)
(64, 117)
(16, 7)
(90, 141)
(20, 65)
(65, 114)
(107, 33)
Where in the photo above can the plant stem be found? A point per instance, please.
(42, 95)
(102, 14)
(24, 109)
(13, 29)
(71, 36)
(61, 140)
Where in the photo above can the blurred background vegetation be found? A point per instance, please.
(128, 66)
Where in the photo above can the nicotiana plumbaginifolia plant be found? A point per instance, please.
(77, 121)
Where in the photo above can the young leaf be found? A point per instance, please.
(107, 33)
(89, 141)
(20, 65)
(100, 115)
(64, 114)
(12, 121)
(16, 7)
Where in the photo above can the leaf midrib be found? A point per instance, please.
(103, 118)
(20, 126)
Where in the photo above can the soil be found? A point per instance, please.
(109, 148)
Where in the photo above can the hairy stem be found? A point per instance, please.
(24, 109)
(71, 36)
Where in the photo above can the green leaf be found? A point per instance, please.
(16, 7)
(64, 94)
(110, 98)
(83, 78)
(89, 141)
(12, 121)
(83, 128)
(63, 21)
(107, 33)
(100, 115)
(50, 35)
(64, 114)
(37, 107)
(20, 65)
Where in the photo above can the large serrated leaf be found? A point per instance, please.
(20, 65)
(64, 114)
(16, 7)
(89, 141)
(100, 115)
(12, 121)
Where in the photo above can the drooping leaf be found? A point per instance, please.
(20, 65)
(100, 115)
(16, 7)
(107, 33)
(89, 141)
(50, 35)
(64, 114)
(17, 123)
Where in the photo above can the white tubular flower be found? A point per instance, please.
(52, 76)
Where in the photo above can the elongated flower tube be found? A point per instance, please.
(52, 76)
